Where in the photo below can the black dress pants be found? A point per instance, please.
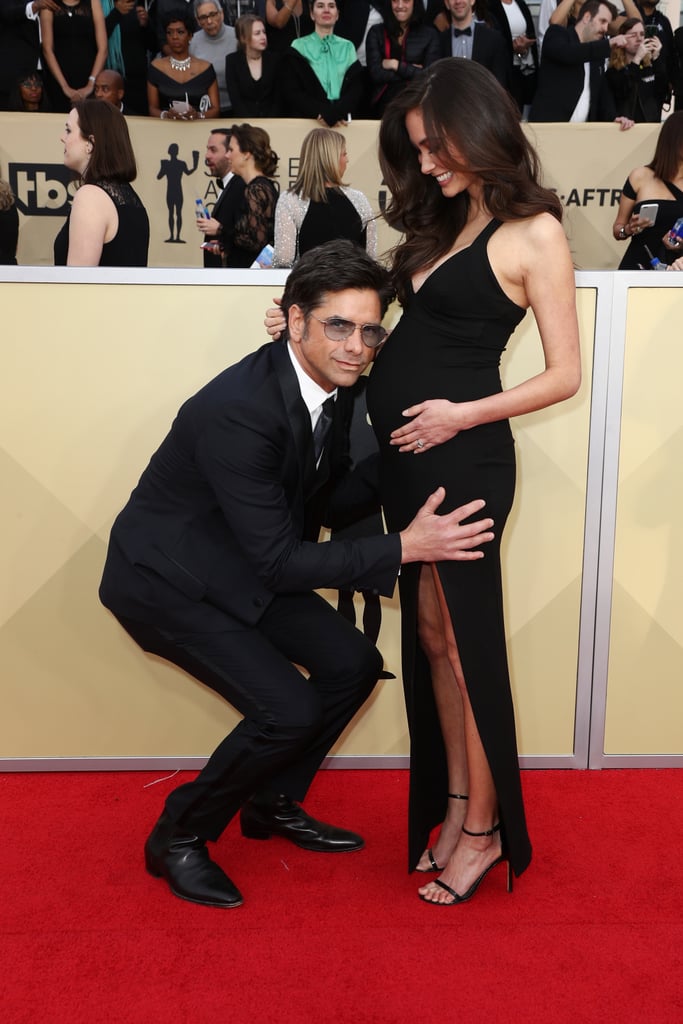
(290, 721)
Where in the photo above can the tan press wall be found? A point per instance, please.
(587, 164)
(93, 374)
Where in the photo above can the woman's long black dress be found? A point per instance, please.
(448, 345)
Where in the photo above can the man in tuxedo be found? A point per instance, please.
(229, 205)
(473, 40)
(571, 83)
(214, 561)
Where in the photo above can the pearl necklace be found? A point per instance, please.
(180, 65)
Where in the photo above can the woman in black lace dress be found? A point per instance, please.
(255, 162)
(107, 225)
(74, 40)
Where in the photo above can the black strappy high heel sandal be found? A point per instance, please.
(457, 898)
(433, 866)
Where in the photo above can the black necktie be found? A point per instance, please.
(219, 184)
(462, 32)
(322, 427)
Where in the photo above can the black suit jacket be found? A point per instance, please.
(561, 76)
(488, 48)
(221, 519)
(227, 209)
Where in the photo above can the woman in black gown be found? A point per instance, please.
(482, 242)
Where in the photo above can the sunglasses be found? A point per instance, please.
(338, 329)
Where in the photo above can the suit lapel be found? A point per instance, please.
(297, 413)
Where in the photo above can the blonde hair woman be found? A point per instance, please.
(320, 207)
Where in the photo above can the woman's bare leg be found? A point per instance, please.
(472, 855)
(451, 716)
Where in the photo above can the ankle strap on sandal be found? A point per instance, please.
(457, 796)
(489, 832)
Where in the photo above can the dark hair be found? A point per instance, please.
(669, 149)
(330, 268)
(257, 142)
(593, 6)
(179, 15)
(393, 29)
(225, 132)
(112, 157)
(464, 108)
(15, 101)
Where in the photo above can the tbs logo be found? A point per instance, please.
(43, 190)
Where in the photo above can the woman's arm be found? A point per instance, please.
(536, 265)
(215, 108)
(560, 15)
(287, 228)
(278, 19)
(48, 43)
(378, 66)
(368, 219)
(254, 229)
(153, 101)
(100, 28)
(93, 222)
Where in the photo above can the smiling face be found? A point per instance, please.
(402, 11)
(333, 364)
(77, 150)
(460, 11)
(324, 14)
(451, 183)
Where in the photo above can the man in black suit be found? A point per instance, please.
(229, 205)
(571, 76)
(473, 40)
(214, 561)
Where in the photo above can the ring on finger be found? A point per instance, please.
(420, 443)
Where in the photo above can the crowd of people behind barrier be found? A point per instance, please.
(335, 59)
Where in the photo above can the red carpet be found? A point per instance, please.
(593, 931)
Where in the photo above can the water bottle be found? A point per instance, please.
(655, 262)
(676, 234)
(201, 210)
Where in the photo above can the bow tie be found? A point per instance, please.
(462, 32)
(219, 184)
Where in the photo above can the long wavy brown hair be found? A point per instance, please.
(464, 109)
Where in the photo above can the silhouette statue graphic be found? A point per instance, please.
(173, 170)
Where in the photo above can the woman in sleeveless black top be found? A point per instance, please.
(480, 246)
(107, 225)
(660, 182)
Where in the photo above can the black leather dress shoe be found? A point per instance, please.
(183, 860)
(262, 818)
